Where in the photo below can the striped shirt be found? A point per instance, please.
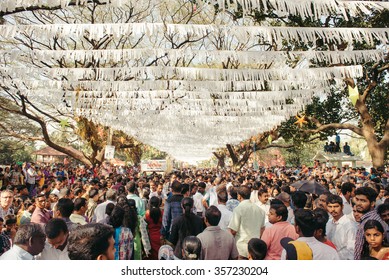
(360, 239)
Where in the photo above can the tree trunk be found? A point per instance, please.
(377, 153)
(220, 159)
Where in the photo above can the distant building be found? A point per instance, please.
(337, 159)
(49, 155)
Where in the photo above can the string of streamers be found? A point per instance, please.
(232, 79)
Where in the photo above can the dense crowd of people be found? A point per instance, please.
(61, 211)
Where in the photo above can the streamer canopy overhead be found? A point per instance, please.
(185, 80)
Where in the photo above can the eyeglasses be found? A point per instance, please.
(42, 200)
(7, 197)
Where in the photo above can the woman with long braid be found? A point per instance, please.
(185, 225)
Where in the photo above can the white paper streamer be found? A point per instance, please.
(295, 7)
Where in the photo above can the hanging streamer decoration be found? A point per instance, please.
(182, 100)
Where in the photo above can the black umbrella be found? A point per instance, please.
(310, 186)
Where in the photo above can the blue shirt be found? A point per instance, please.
(172, 210)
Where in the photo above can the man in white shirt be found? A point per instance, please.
(99, 215)
(340, 229)
(29, 241)
(264, 203)
(198, 199)
(248, 221)
(347, 194)
(30, 175)
(210, 197)
(56, 241)
(78, 215)
(285, 198)
(226, 214)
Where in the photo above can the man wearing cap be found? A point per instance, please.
(305, 225)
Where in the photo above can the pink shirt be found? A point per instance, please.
(272, 236)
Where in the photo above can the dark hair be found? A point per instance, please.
(117, 216)
(285, 189)
(186, 228)
(233, 192)
(131, 187)
(176, 186)
(333, 199)
(191, 247)
(131, 217)
(10, 219)
(65, 206)
(370, 224)
(202, 185)
(79, 202)
(263, 190)
(109, 208)
(122, 200)
(89, 241)
(54, 227)
(92, 193)
(299, 199)
(276, 201)
(187, 204)
(382, 208)
(27, 203)
(40, 195)
(121, 190)
(155, 211)
(306, 221)
(374, 224)
(347, 187)
(184, 188)
(370, 193)
(213, 215)
(257, 248)
(27, 231)
(280, 210)
(322, 218)
(77, 191)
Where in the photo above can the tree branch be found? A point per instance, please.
(12, 133)
(322, 127)
(232, 153)
(47, 8)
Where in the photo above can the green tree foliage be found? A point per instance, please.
(13, 151)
